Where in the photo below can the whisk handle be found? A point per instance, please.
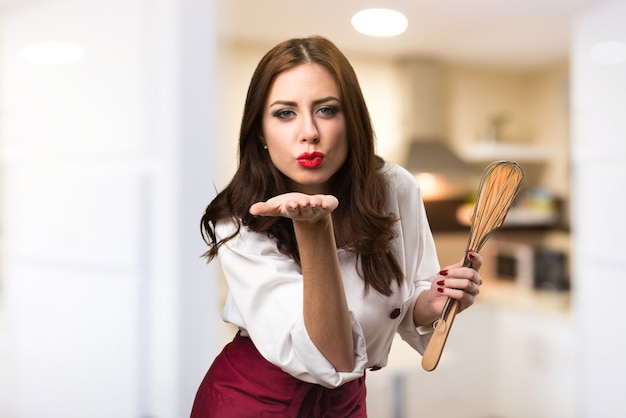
(431, 357)
(438, 340)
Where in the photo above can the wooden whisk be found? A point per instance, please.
(498, 188)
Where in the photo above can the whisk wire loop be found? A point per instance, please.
(498, 188)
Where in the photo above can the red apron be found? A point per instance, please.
(241, 383)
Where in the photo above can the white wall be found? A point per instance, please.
(107, 309)
(599, 204)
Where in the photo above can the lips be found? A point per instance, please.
(310, 159)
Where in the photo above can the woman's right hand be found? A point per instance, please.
(297, 206)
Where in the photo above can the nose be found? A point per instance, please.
(309, 132)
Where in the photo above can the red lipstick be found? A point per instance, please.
(310, 159)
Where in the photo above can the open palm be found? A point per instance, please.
(296, 206)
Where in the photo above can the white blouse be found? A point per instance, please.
(265, 292)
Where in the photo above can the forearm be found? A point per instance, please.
(423, 313)
(326, 314)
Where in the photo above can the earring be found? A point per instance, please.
(265, 146)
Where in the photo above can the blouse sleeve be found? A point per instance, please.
(421, 262)
(266, 289)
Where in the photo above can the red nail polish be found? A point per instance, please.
(441, 282)
(471, 256)
(440, 290)
(443, 272)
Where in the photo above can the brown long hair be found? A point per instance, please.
(361, 223)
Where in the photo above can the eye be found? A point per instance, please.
(283, 114)
(328, 110)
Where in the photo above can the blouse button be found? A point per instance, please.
(395, 313)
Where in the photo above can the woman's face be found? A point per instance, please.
(304, 127)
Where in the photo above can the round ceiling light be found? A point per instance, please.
(380, 22)
(53, 53)
(608, 53)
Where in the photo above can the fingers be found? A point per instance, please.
(476, 259)
(259, 208)
(299, 210)
(295, 206)
(309, 203)
(455, 288)
(461, 283)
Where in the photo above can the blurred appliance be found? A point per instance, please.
(528, 266)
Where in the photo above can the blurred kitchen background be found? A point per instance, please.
(118, 123)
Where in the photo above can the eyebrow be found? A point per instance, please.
(315, 102)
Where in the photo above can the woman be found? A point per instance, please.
(325, 247)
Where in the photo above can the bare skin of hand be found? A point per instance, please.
(297, 206)
(325, 308)
(455, 281)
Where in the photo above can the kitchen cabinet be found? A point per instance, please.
(498, 114)
(460, 386)
(503, 359)
(534, 361)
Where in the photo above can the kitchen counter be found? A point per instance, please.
(503, 357)
(506, 294)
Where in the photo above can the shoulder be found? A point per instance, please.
(399, 179)
(404, 195)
